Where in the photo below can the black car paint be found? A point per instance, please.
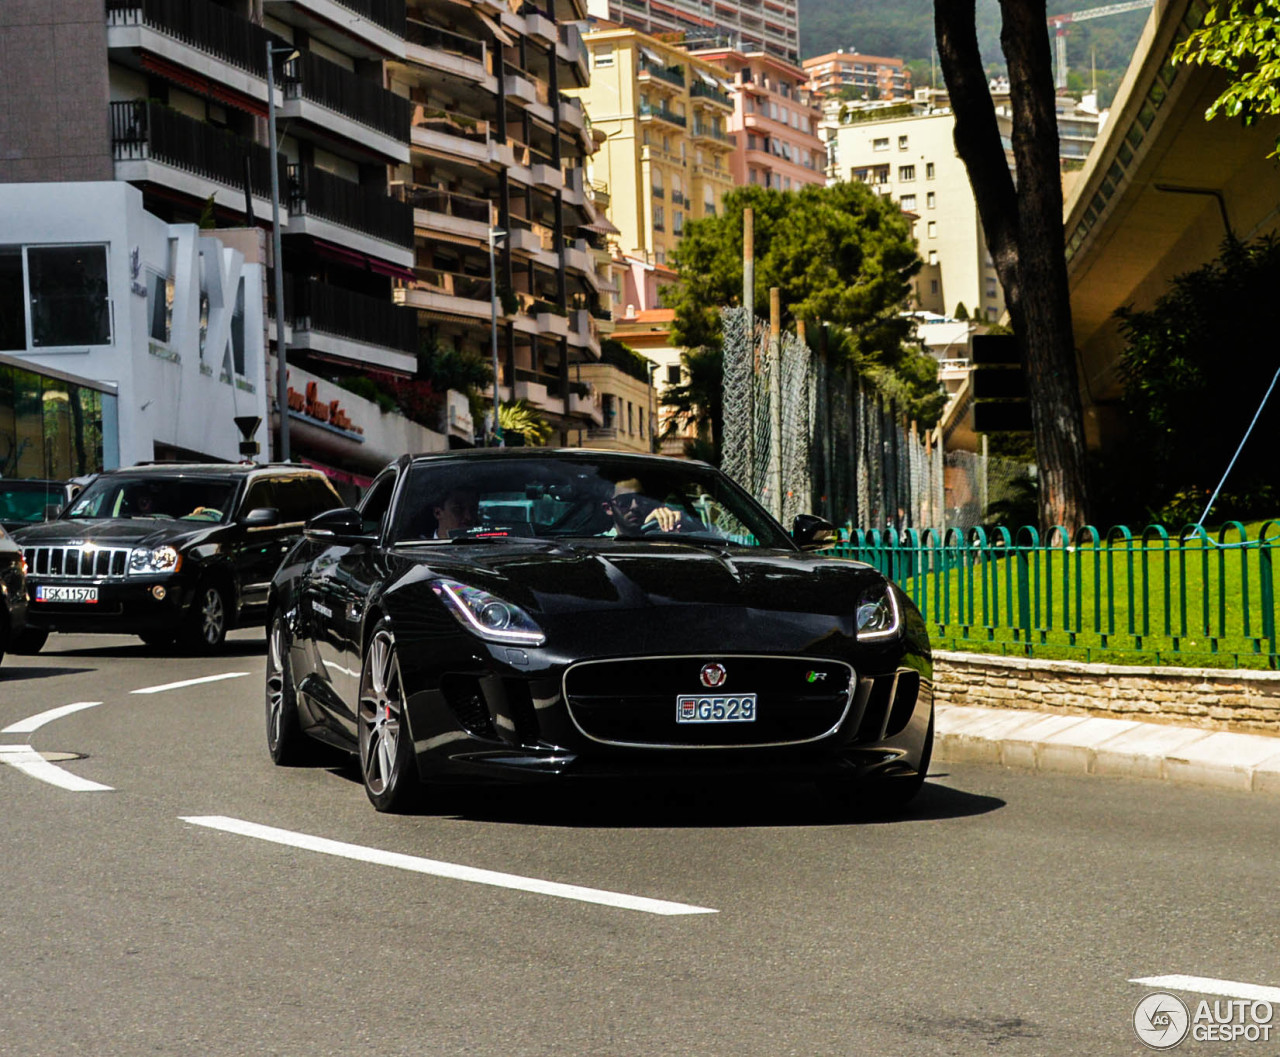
(239, 558)
(13, 591)
(595, 598)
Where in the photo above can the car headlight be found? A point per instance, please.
(151, 560)
(487, 615)
(878, 616)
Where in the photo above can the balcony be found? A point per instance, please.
(539, 26)
(448, 212)
(672, 75)
(447, 293)
(152, 143)
(339, 323)
(548, 319)
(660, 111)
(704, 131)
(701, 90)
(584, 329)
(193, 24)
(376, 30)
(451, 135)
(369, 106)
(318, 199)
(572, 51)
(449, 52)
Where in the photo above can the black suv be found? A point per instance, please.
(167, 551)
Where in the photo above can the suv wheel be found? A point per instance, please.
(29, 640)
(206, 628)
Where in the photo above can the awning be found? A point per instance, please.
(651, 56)
(202, 85)
(333, 252)
(495, 29)
(395, 271)
(600, 227)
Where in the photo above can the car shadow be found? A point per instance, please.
(681, 805)
(18, 671)
(232, 648)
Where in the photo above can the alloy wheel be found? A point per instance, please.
(213, 616)
(381, 714)
(277, 658)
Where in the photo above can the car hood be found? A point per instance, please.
(117, 532)
(554, 578)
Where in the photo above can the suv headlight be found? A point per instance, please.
(487, 615)
(154, 560)
(878, 616)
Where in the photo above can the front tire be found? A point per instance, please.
(882, 797)
(29, 641)
(286, 742)
(206, 624)
(386, 747)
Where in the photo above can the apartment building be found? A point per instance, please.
(665, 115)
(909, 153)
(864, 76)
(775, 120)
(770, 26)
(172, 98)
(499, 145)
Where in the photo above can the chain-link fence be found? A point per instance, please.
(803, 434)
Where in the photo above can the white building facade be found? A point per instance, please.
(171, 317)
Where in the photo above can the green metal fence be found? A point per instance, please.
(1148, 598)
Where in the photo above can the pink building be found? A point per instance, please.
(775, 121)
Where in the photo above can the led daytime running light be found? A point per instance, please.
(890, 600)
(452, 595)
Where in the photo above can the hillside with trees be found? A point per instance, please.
(905, 30)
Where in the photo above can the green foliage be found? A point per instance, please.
(367, 389)
(523, 418)
(449, 368)
(961, 312)
(1242, 38)
(1194, 368)
(207, 220)
(625, 358)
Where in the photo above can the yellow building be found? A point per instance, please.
(665, 157)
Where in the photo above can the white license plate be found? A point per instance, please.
(729, 708)
(52, 593)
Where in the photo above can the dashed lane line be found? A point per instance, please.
(188, 682)
(31, 723)
(30, 762)
(1205, 985)
(443, 869)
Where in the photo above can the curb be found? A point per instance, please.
(1046, 741)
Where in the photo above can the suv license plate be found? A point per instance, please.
(66, 594)
(731, 708)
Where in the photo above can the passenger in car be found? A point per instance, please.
(458, 511)
(632, 511)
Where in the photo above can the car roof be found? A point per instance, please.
(41, 482)
(211, 469)
(558, 454)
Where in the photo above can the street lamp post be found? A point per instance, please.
(277, 254)
(495, 236)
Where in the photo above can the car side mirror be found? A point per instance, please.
(344, 523)
(812, 533)
(261, 517)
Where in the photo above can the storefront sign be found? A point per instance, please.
(330, 413)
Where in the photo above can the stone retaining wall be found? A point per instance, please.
(1211, 698)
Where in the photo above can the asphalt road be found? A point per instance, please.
(1006, 915)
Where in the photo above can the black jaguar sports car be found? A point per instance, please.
(519, 614)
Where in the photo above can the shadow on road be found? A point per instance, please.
(255, 647)
(674, 804)
(18, 671)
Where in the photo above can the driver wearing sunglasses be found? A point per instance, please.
(635, 513)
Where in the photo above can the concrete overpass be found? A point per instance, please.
(1158, 193)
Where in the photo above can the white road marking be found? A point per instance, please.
(443, 869)
(27, 760)
(26, 726)
(189, 682)
(1204, 985)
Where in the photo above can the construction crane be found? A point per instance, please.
(1060, 23)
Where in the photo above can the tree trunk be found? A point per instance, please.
(1023, 228)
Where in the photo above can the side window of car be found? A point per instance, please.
(373, 508)
(321, 496)
(261, 494)
(293, 500)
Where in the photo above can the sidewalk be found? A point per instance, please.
(1045, 741)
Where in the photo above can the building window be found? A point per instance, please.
(930, 200)
(906, 173)
(659, 218)
(880, 144)
(933, 286)
(933, 256)
(673, 374)
(928, 170)
(908, 202)
(68, 295)
(991, 288)
(655, 179)
(237, 332)
(933, 229)
(677, 222)
(13, 316)
(603, 57)
(902, 143)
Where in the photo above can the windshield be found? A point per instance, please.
(570, 498)
(29, 501)
(166, 498)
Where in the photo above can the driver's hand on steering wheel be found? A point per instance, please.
(661, 519)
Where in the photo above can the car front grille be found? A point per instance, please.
(80, 562)
(633, 702)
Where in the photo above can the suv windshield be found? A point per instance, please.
(578, 497)
(152, 496)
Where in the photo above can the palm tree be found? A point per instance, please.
(522, 418)
(699, 401)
